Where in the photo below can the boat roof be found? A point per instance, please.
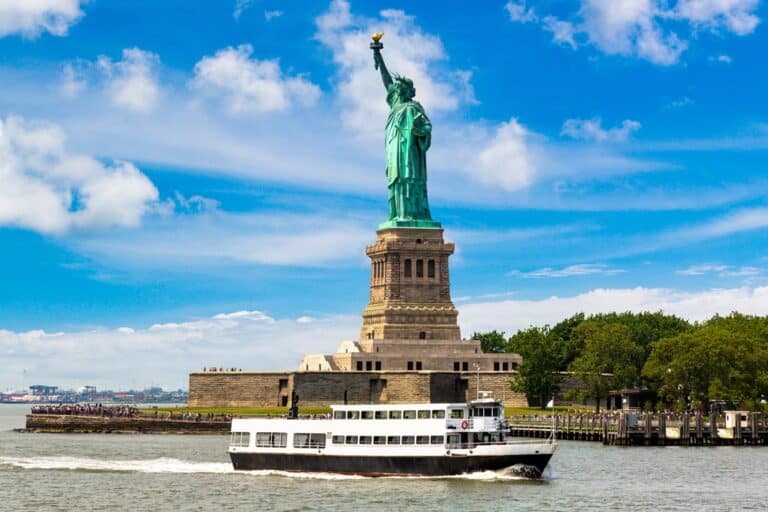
(387, 407)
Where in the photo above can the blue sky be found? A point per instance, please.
(186, 184)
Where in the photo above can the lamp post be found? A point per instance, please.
(477, 368)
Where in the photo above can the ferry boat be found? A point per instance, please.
(382, 440)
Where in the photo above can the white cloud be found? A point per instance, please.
(32, 17)
(315, 239)
(48, 189)
(582, 269)
(738, 221)
(270, 15)
(72, 81)
(511, 315)
(506, 159)
(563, 32)
(630, 27)
(518, 11)
(736, 16)
(240, 7)
(164, 354)
(720, 270)
(251, 85)
(131, 83)
(648, 29)
(682, 102)
(723, 59)
(408, 51)
(704, 268)
(592, 129)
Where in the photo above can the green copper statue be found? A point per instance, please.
(408, 136)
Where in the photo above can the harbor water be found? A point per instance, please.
(94, 472)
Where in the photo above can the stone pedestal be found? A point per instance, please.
(410, 295)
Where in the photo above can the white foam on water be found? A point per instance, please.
(482, 476)
(161, 465)
(309, 476)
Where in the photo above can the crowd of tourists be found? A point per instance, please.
(122, 411)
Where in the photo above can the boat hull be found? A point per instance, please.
(532, 464)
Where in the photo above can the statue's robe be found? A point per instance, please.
(408, 137)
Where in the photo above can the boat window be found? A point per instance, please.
(454, 440)
(424, 415)
(353, 415)
(422, 439)
(457, 413)
(436, 440)
(409, 415)
(393, 440)
(495, 411)
(367, 415)
(379, 440)
(409, 439)
(308, 440)
(338, 439)
(269, 439)
(339, 415)
(240, 439)
(438, 414)
(395, 415)
(351, 440)
(366, 439)
(381, 415)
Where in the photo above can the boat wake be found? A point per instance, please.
(171, 465)
(161, 465)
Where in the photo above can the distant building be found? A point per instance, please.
(40, 390)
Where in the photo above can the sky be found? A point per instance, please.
(187, 183)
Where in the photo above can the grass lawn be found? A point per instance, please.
(559, 409)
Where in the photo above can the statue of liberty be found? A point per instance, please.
(408, 137)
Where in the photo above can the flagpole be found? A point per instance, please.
(554, 421)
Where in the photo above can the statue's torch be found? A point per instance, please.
(376, 44)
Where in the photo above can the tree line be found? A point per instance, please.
(686, 364)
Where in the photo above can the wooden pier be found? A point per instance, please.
(647, 429)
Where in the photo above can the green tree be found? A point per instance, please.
(562, 337)
(491, 342)
(538, 375)
(607, 349)
(646, 327)
(723, 359)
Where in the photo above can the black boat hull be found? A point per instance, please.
(532, 465)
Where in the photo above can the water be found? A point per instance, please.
(46, 472)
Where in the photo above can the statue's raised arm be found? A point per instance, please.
(378, 60)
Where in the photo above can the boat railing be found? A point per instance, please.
(506, 442)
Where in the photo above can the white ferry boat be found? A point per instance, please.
(379, 440)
